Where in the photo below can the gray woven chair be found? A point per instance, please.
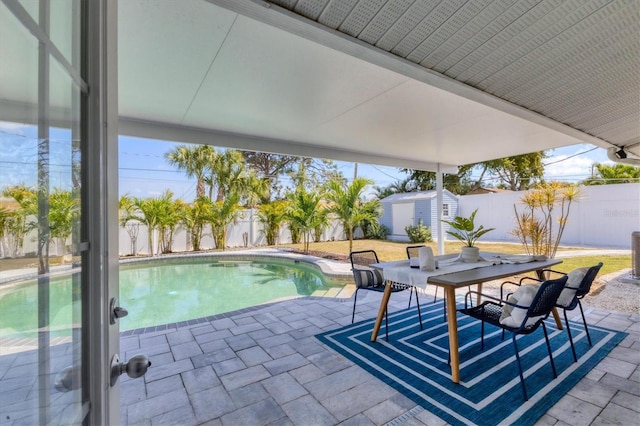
(491, 311)
(369, 278)
(578, 285)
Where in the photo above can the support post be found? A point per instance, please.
(439, 201)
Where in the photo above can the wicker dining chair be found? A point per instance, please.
(367, 277)
(530, 317)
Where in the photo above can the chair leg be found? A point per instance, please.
(482, 336)
(444, 301)
(355, 298)
(515, 346)
(586, 329)
(386, 324)
(411, 294)
(546, 338)
(419, 313)
(573, 349)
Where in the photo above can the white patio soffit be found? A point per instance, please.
(402, 83)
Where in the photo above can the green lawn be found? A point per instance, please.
(389, 250)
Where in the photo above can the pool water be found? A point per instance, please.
(167, 291)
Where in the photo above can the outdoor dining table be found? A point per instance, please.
(450, 278)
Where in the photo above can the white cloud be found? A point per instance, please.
(573, 163)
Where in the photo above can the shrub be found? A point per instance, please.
(418, 233)
(375, 231)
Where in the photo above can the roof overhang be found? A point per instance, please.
(253, 75)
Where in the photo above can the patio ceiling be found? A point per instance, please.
(403, 83)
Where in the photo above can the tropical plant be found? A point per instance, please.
(466, 230)
(321, 224)
(223, 213)
(171, 214)
(21, 220)
(195, 217)
(418, 233)
(271, 216)
(305, 213)
(5, 215)
(347, 204)
(226, 174)
(194, 160)
(126, 219)
(617, 173)
(64, 208)
(535, 225)
(148, 214)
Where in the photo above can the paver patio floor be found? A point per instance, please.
(263, 366)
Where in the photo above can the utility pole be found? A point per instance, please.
(355, 171)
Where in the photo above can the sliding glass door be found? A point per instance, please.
(41, 246)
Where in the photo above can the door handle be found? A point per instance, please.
(137, 366)
(115, 311)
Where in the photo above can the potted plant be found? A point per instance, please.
(466, 231)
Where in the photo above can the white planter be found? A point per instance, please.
(470, 254)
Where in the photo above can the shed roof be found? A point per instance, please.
(413, 196)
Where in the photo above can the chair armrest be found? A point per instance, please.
(530, 278)
(483, 295)
(552, 271)
(486, 296)
(502, 288)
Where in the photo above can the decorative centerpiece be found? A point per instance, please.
(467, 233)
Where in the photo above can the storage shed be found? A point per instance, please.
(405, 209)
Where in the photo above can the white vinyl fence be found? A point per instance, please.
(246, 232)
(603, 216)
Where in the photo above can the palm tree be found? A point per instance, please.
(305, 213)
(223, 213)
(148, 214)
(227, 173)
(271, 216)
(63, 209)
(347, 205)
(195, 217)
(170, 213)
(194, 160)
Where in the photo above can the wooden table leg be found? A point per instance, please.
(554, 312)
(383, 308)
(556, 316)
(452, 322)
(479, 297)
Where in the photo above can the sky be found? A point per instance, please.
(144, 171)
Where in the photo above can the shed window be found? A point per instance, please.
(445, 209)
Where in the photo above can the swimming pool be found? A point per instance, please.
(169, 290)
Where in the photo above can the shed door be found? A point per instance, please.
(403, 215)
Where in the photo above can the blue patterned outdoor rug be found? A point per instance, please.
(414, 362)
